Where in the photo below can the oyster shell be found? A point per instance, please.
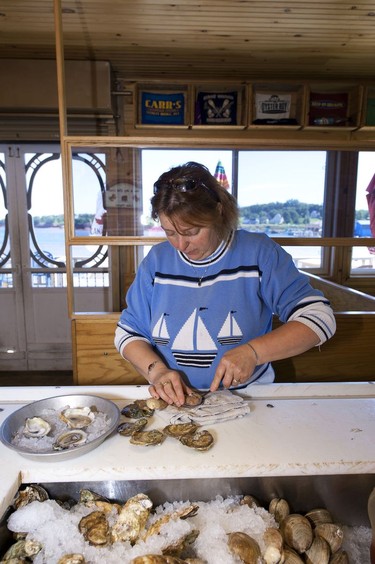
(72, 559)
(22, 550)
(245, 547)
(279, 508)
(72, 438)
(36, 427)
(87, 496)
(297, 532)
(183, 513)
(147, 438)
(319, 552)
(156, 403)
(127, 428)
(137, 411)
(178, 547)
(180, 429)
(34, 492)
(332, 533)
(193, 399)
(95, 528)
(132, 519)
(77, 417)
(202, 440)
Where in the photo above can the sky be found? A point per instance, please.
(264, 176)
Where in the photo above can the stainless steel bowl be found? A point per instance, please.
(14, 421)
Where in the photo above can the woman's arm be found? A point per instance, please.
(164, 382)
(238, 364)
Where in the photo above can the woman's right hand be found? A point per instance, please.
(168, 385)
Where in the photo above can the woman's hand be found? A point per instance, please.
(235, 368)
(168, 385)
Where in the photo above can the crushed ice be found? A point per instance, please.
(56, 528)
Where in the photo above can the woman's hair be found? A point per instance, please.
(189, 193)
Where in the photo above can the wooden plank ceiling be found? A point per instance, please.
(201, 39)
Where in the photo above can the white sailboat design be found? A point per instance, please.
(160, 331)
(230, 333)
(193, 345)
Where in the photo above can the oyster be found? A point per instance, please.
(279, 508)
(178, 547)
(73, 438)
(36, 427)
(193, 399)
(297, 532)
(72, 559)
(77, 417)
(245, 547)
(87, 496)
(21, 551)
(183, 513)
(156, 403)
(180, 429)
(95, 528)
(127, 428)
(136, 411)
(34, 492)
(147, 438)
(202, 440)
(332, 533)
(92, 499)
(132, 519)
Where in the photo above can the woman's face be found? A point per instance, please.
(196, 243)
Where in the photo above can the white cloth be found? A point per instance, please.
(216, 407)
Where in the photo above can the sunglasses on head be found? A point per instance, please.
(183, 185)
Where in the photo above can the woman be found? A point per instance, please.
(199, 312)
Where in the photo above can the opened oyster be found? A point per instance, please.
(69, 439)
(77, 417)
(36, 427)
(193, 399)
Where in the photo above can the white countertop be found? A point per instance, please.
(292, 430)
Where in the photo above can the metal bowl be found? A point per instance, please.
(14, 421)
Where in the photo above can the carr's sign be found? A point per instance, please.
(162, 108)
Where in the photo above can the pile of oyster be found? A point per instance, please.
(141, 411)
(75, 422)
(288, 538)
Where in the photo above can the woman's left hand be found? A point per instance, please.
(235, 368)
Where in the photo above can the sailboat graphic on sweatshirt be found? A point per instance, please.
(193, 344)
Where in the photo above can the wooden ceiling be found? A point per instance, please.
(201, 39)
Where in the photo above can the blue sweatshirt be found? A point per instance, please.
(193, 312)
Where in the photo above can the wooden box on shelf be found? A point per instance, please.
(217, 105)
(162, 106)
(275, 104)
(333, 105)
